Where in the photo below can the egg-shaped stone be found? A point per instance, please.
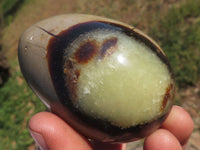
(108, 80)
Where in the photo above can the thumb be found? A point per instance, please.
(51, 132)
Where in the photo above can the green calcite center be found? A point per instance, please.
(125, 88)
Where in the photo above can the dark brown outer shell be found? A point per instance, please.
(101, 129)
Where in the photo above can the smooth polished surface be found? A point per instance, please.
(107, 79)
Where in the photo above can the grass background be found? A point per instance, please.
(174, 24)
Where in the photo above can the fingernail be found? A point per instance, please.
(39, 140)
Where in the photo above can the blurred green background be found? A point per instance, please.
(174, 24)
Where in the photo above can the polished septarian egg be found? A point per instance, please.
(108, 80)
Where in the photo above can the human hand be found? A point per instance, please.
(51, 133)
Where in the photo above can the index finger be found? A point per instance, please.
(179, 123)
